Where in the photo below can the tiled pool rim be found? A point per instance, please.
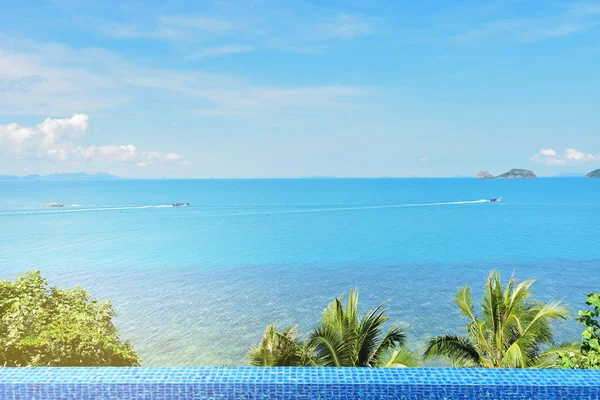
(167, 383)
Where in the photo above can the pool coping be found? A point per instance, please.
(296, 375)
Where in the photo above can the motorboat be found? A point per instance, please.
(181, 204)
(495, 199)
(54, 205)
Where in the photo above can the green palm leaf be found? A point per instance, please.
(398, 357)
(329, 347)
(512, 330)
(342, 339)
(458, 350)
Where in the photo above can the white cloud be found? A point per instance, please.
(21, 84)
(548, 152)
(263, 25)
(53, 139)
(85, 80)
(563, 19)
(551, 157)
(572, 154)
(201, 22)
(171, 28)
(51, 79)
(347, 26)
(224, 50)
(555, 161)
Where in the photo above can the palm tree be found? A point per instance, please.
(278, 349)
(342, 339)
(512, 331)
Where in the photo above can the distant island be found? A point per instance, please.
(514, 173)
(517, 173)
(484, 175)
(77, 176)
(594, 174)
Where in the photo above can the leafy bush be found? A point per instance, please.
(47, 326)
(589, 355)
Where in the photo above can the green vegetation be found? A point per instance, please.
(589, 355)
(516, 173)
(594, 174)
(47, 326)
(342, 339)
(510, 332)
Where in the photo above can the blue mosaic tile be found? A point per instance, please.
(249, 383)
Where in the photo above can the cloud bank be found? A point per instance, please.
(569, 156)
(55, 139)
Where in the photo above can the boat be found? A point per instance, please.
(181, 204)
(54, 205)
(496, 199)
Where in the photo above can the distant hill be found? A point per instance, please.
(594, 174)
(77, 176)
(517, 173)
(484, 175)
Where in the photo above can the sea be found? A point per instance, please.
(197, 285)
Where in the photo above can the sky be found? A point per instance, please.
(275, 89)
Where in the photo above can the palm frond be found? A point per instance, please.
(459, 350)
(519, 294)
(464, 301)
(514, 357)
(369, 334)
(277, 349)
(545, 312)
(549, 358)
(329, 347)
(398, 357)
(394, 338)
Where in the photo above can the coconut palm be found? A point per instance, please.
(342, 339)
(278, 349)
(512, 331)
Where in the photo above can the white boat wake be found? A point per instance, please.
(80, 208)
(316, 210)
(85, 209)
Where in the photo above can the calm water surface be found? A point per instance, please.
(197, 285)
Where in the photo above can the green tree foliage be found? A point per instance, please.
(588, 356)
(278, 349)
(342, 339)
(46, 326)
(511, 332)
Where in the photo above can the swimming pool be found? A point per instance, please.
(164, 383)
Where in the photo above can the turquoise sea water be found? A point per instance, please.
(197, 285)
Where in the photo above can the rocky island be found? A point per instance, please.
(484, 175)
(517, 173)
(514, 173)
(594, 174)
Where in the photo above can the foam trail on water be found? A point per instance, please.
(84, 210)
(315, 210)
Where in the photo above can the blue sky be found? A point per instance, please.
(299, 88)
